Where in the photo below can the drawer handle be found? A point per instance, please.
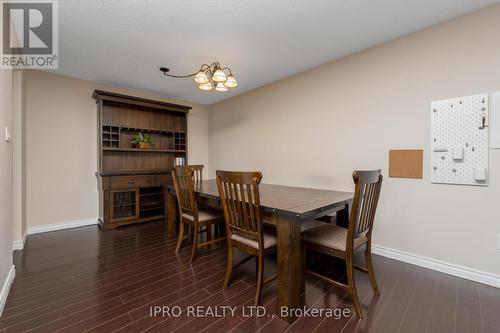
(131, 182)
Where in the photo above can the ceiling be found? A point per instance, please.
(124, 42)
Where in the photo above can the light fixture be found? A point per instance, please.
(209, 76)
(206, 86)
(231, 82)
(201, 78)
(219, 76)
(220, 87)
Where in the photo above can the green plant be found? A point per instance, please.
(141, 139)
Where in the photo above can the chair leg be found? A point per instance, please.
(260, 273)
(181, 236)
(209, 232)
(195, 242)
(229, 269)
(352, 286)
(369, 267)
(256, 269)
(219, 230)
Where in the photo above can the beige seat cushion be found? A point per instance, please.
(269, 240)
(310, 224)
(203, 216)
(331, 236)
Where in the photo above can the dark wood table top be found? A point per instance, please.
(297, 202)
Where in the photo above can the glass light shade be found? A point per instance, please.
(219, 76)
(231, 82)
(201, 78)
(220, 87)
(205, 86)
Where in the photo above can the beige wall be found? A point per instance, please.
(19, 150)
(5, 177)
(314, 128)
(61, 155)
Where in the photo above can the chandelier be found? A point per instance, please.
(209, 77)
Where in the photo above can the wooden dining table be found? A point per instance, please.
(286, 207)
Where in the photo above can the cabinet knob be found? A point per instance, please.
(131, 182)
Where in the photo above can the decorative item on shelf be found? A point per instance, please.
(143, 141)
(180, 161)
(209, 77)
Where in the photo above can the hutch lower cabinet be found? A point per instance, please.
(132, 179)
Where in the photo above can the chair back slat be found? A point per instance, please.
(239, 195)
(366, 195)
(184, 189)
(251, 209)
(198, 172)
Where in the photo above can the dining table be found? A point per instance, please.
(285, 207)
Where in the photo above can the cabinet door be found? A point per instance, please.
(125, 205)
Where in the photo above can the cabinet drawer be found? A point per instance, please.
(124, 182)
(159, 180)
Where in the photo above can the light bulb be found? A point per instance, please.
(220, 87)
(219, 76)
(231, 82)
(205, 86)
(201, 77)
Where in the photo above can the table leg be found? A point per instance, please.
(289, 268)
(343, 216)
(171, 215)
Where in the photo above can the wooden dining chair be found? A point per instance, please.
(341, 243)
(183, 177)
(198, 172)
(198, 177)
(239, 195)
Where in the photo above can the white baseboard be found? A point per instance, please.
(61, 226)
(19, 244)
(4, 292)
(440, 266)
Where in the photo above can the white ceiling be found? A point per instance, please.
(124, 42)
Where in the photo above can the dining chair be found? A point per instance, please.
(198, 172)
(340, 242)
(239, 195)
(183, 177)
(198, 177)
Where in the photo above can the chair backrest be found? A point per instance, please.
(364, 206)
(239, 195)
(184, 189)
(198, 172)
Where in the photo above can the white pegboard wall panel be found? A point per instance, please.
(456, 127)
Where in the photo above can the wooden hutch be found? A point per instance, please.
(132, 181)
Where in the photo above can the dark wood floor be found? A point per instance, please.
(82, 280)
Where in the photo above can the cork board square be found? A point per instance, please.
(406, 163)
